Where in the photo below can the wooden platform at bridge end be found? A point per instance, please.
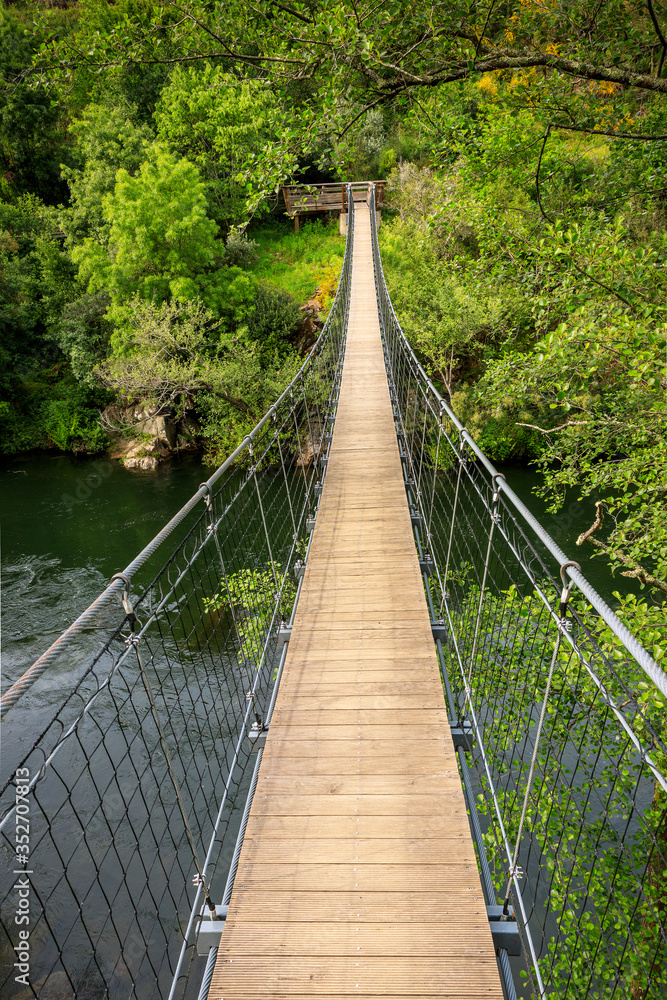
(357, 875)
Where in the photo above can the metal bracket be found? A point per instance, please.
(209, 931)
(317, 489)
(257, 736)
(504, 933)
(415, 519)
(463, 736)
(439, 630)
(284, 633)
(426, 564)
(310, 524)
(299, 569)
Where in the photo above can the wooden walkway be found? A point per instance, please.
(357, 876)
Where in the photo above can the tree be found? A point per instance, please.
(374, 52)
(32, 135)
(219, 122)
(174, 353)
(161, 241)
(109, 137)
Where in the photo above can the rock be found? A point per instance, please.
(142, 462)
(310, 449)
(154, 446)
(162, 428)
(311, 324)
(138, 418)
(144, 437)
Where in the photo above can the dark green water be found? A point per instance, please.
(67, 526)
(572, 520)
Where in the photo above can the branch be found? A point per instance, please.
(571, 67)
(537, 175)
(636, 571)
(596, 524)
(294, 13)
(552, 430)
(614, 135)
(660, 35)
(481, 37)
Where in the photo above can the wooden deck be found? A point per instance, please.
(357, 875)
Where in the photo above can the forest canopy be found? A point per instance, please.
(524, 144)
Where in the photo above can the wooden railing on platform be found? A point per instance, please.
(301, 199)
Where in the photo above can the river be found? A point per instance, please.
(68, 525)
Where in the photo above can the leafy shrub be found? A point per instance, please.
(240, 251)
(83, 334)
(275, 318)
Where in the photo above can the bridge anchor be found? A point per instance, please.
(209, 932)
(462, 735)
(504, 933)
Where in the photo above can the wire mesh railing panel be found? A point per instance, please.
(569, 764)
(119, 821)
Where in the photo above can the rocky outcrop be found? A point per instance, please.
(143, 437)
(311, 447)
(309, 328)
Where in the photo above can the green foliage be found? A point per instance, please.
(32, 136)
(249, 599)
(178, 351)
(35, 278)
(598, 392)
(274, 319)
(108, 138)
(455, 324)
(239, 250)
(83, 333)
(160, 238)
(297, 262)
(359, 155)
(218, 121)
(600, 843)
(138, 81)
(49, 408)
(538, 301)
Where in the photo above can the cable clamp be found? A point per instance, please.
(564, 626)
(516, 871)
(208, 496)
(127, 604)
(132, 640)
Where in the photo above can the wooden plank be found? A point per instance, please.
(310, 827)
(293, 764)
(370, 805)
(336, 938)
(357, 876)
(386, 976)
(317, 905)
(456, 878)
(362, 784)
(335, 851)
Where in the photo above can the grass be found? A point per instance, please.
(299, 262)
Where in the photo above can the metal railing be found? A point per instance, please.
(567, 780)
(134, 784)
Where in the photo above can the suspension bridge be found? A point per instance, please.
(352, 724)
